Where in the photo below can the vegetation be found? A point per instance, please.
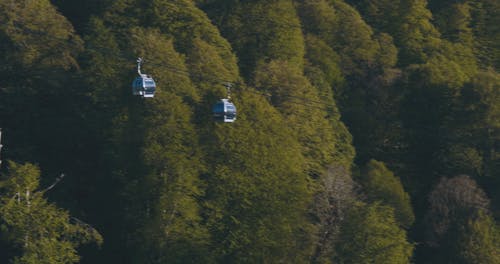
(367, 132)
(40, 231)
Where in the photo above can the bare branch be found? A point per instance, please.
(58, 179)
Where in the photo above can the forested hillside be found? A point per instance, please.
(367, 131)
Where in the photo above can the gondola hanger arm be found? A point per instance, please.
(139, 62)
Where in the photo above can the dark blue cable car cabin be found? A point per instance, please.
(144, 86)
(224, 111)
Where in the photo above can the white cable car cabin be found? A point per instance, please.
(144, 85)
(224, 111)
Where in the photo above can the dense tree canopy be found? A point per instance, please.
(325, 90)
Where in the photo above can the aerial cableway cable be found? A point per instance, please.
(120, 56)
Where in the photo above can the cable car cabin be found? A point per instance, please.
(144, 86)
(224, 111)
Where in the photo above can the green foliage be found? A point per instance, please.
(39, 50)
(458, 206)
(486, 27)
(454, 21)
(332, 202)
(481, 99)
(416, 85)
(171, 185)
(353, 39)
(381, 185)
(102, 63)
(472, 131)
(461, 159)
(41, 231)
(261, 31)
(382, 15)
(42, 98)
(445, 72)
(341, 27)
(287, 86)
(190, 27)
(416, 35)
(370, 234)
(319, 18)
(320, 55)
(173, 165)
(157, 142)
(388, 55)
(480, 241)
(161, 57)
(79, 12)
(257, 193)
(47, 37)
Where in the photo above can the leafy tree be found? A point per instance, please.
(416, 35)
(472, 130)
(367, 61)
(40, 50)
(353, 39)
(48, 38)
(257, 191)
(79, 12)
(485, 26)
(322, 56)
(452, 200)
(319, 19)
(158, 191)
(454, 21)
(381, 185)
(260, 31)
(382, 15)
(428, 105)
(480, 241)
(415, 82)
(330, 208)
(287, 86)
(41, 231)
(460, 158)
(343, 29)
(189, 26)
(370, 234)
(42, 96)
(459, 209)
